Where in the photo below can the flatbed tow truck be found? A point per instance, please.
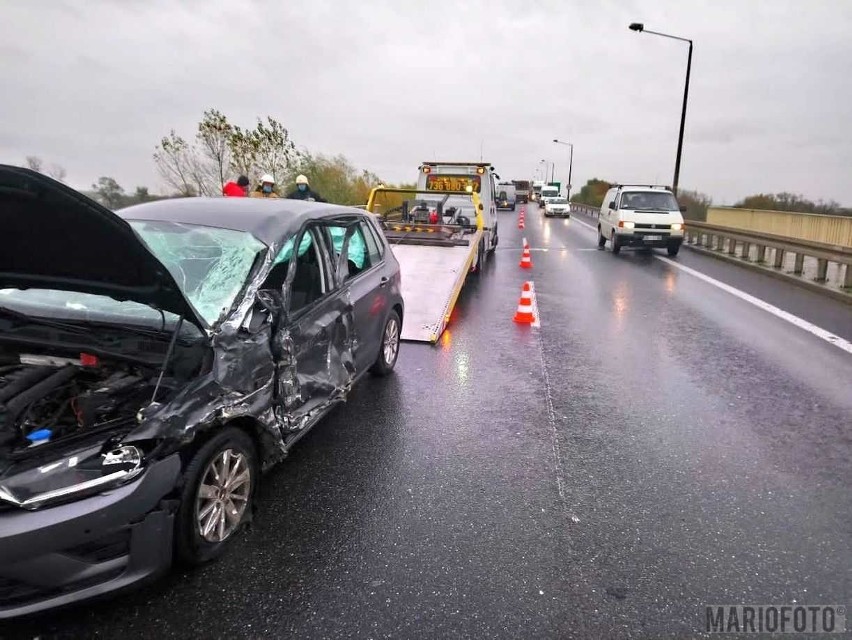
(436, 239)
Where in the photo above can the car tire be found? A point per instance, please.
(616, 246)
(673, 249)
(231, 454)
(601, 239)
(389, 346)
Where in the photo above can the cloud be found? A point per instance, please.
(389, 84)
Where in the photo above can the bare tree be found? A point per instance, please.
(214, 134)
(34, 163)
(276, 153)
(57, 172)
(178, 165)
(220, 148)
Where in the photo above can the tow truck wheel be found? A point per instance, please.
(480, 257)
(389, 347)
(216, 499)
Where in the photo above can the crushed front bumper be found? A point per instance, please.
(72, 552)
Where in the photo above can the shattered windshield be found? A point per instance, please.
(210, 265)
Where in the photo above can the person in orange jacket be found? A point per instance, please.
(266, 188)
(238, 189)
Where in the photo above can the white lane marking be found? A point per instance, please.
(586, 224)
(796, 321)
(536, 318)
(801, 323)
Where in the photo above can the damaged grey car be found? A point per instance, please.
(155, 360)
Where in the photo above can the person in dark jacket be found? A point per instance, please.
(303, 191)
(238, 189)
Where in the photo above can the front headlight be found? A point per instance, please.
(677, 226)
(80, 474)
(626, 224)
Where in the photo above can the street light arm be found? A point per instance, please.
(666, 35)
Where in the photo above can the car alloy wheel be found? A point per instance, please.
(390, 342)
(216, 495)
(389, 347)
(223, 496)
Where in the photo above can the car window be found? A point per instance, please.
(358, 257)
(375, 249)
(287, 250)
(310, 280)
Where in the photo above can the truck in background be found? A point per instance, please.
(522, 191)
(536, 189)
(507, 196)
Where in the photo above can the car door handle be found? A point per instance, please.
(384, 281)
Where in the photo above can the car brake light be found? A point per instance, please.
(433, 217)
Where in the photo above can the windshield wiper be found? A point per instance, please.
(56, 324)
(86, 327)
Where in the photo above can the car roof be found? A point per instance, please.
(267, 219)
(640, 188)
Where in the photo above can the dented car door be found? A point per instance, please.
(360, 275)
(313, 343)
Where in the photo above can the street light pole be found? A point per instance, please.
(570, 164)
(638, 26)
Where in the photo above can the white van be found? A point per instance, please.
(640, 216)
(458, 176)
(548, 192)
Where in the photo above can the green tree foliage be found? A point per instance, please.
(789, 202)
(108, 192)
(592, 193)
(335, 179)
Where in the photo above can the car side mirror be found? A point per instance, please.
(481, 208)
(612, 205)
(683, 208)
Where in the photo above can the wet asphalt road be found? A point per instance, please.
(656, 446)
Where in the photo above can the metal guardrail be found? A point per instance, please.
(729, 240)
(753, 247)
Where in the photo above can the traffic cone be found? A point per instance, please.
(524, 314)
(521, 223)
(526, 244)
(526, 259)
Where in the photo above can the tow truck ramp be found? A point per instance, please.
(435, 258)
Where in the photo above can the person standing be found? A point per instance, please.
(266, 188)
(238, 189)
(303, 191)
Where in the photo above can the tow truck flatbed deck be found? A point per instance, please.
(432, 278)
(434, 261)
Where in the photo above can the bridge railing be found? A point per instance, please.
(816, 264)
(782, 253)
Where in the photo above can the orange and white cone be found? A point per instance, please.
(526, 244)
(524, 314)
(526, 258)
(521, 224)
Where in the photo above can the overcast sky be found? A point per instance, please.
(93, 85)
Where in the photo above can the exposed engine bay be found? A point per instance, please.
(48, 402)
